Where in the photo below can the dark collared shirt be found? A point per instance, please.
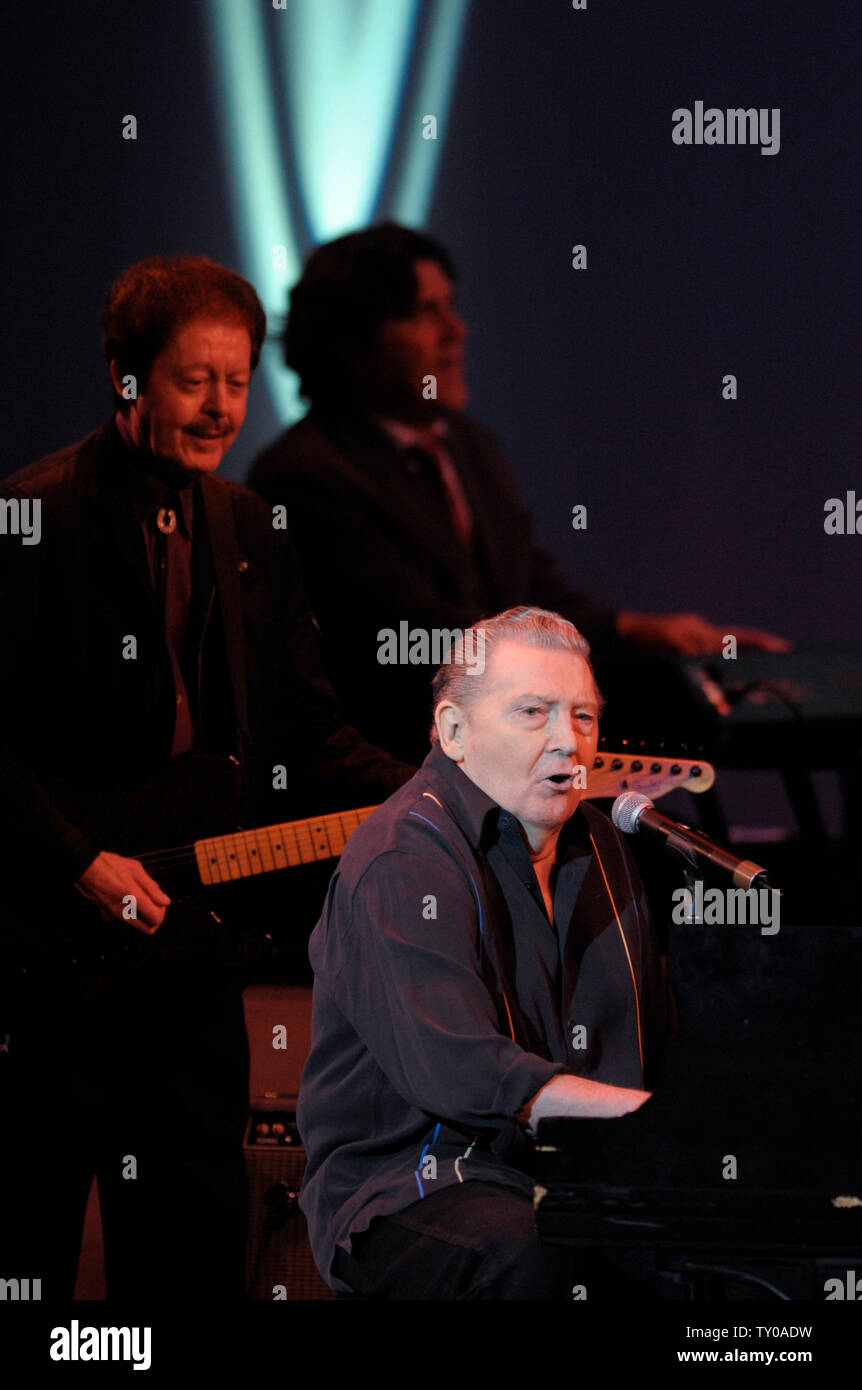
(444, 998)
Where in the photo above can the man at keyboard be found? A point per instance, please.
(485, 958)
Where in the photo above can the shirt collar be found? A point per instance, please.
(406, 437)
(483, 819)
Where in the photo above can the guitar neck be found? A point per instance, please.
(223, 858)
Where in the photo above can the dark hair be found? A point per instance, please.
(348, 287)
(150, 300)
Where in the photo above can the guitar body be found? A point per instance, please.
(157, 822)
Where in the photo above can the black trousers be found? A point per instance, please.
(145, 1084)
(477, 1240)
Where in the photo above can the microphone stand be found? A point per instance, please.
(686, 861)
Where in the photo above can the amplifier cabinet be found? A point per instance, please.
(278, 1263)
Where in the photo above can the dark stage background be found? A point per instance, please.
(605, 384)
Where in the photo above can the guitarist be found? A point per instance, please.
(154, 624)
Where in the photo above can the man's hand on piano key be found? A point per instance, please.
(577, 1097)
(690, 634)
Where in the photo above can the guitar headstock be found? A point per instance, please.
(613, 773)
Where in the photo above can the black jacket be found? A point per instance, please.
(76, 707)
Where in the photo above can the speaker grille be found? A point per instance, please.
(278, 1255)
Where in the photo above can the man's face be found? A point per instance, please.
(535, 718)
(428, 342)
(195, 399)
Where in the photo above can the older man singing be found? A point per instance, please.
(485, 958)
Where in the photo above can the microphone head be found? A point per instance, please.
(628, 809)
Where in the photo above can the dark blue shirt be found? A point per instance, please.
(444, 998)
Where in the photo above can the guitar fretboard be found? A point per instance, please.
(225, 857)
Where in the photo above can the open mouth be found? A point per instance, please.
(561, 779)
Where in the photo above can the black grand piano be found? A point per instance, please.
(743, 1172)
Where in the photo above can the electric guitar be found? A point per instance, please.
(203, 791)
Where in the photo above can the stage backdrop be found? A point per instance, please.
(555, 128)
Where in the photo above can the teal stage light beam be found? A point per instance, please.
(431, 95)
(254, 166)
(348, 109)
(346, 65)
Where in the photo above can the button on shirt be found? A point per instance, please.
(444, 998)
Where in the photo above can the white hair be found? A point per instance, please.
(460, 680)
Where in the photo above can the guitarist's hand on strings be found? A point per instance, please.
(123, 891)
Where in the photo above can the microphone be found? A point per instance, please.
(633, 812)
